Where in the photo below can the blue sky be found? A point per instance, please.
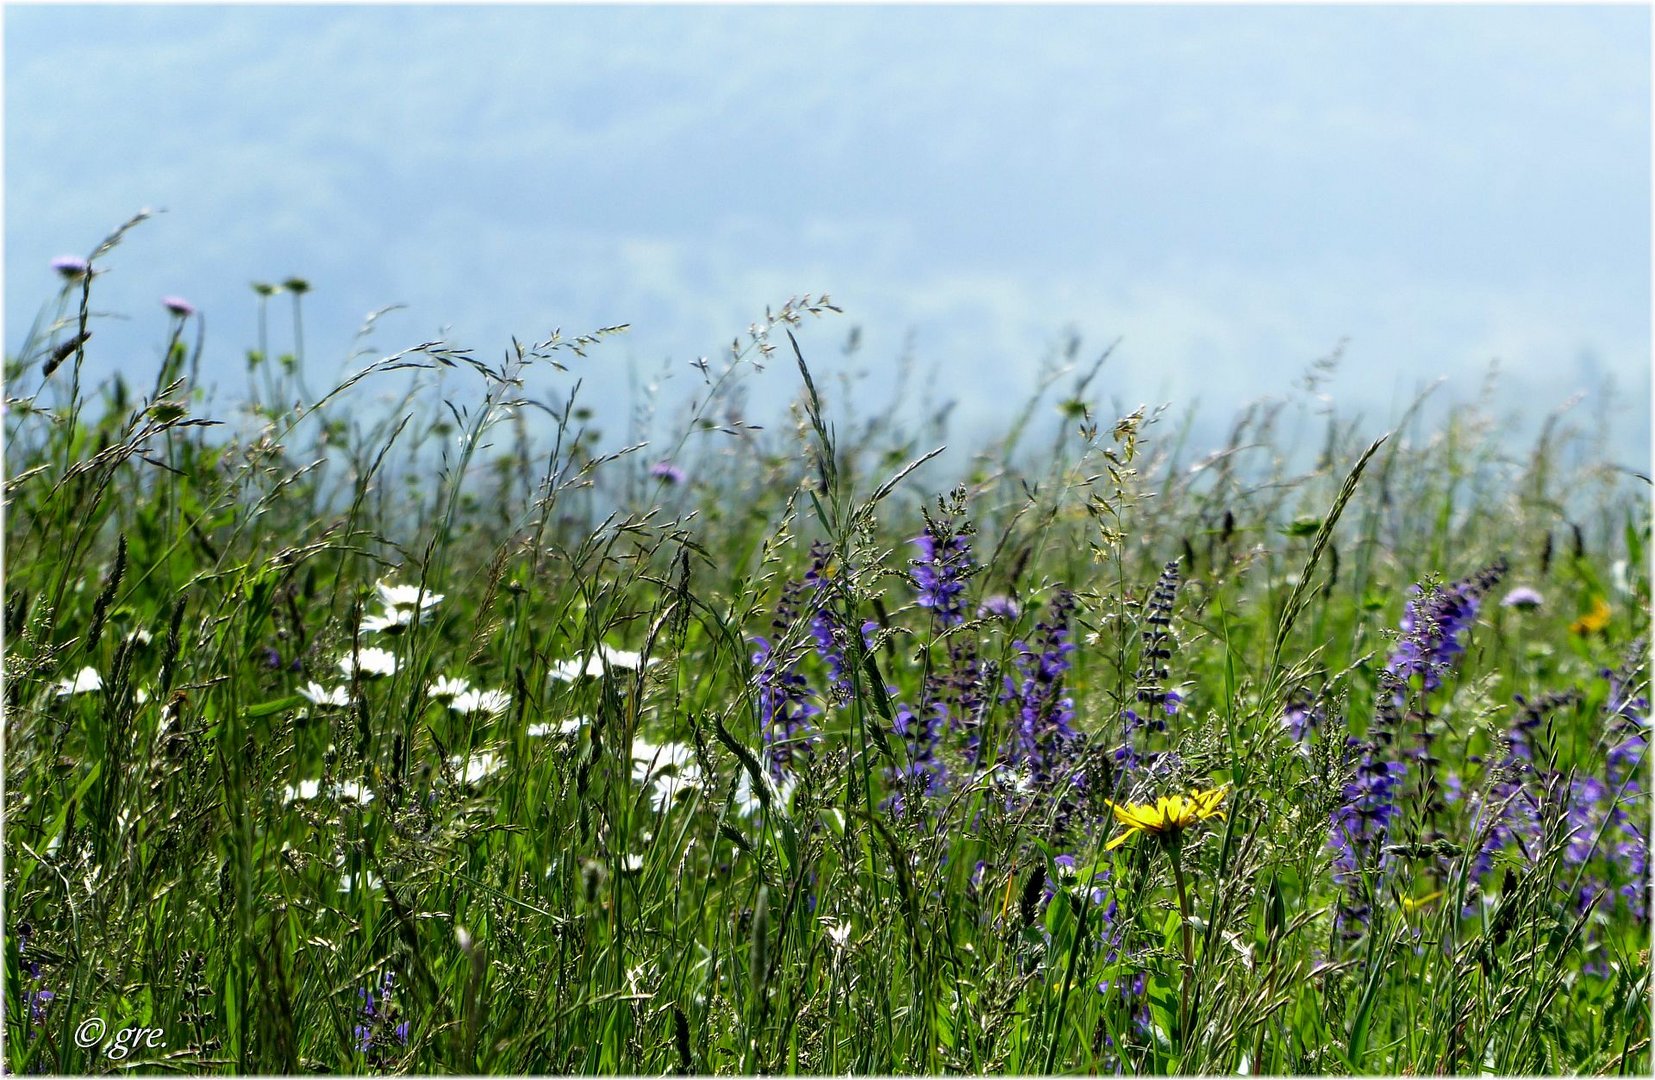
(1230, 192)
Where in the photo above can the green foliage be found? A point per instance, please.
(246, 836)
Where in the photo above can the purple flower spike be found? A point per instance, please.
(1434, 624)
(1003, 607)
(940, 571)
(70, 267)
(668, 472)
(178, 306)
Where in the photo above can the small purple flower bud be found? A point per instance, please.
(668, 472)
(70, 268)
(178, 306)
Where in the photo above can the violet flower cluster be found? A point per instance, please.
(824, 627)
(940, 572)
(36, 997)
(1361, 825)
(1433, 626)
(377, 1027)
(1601, 806)
(951, 697)
(1045, 744)
(785, 705)
(1434, 623)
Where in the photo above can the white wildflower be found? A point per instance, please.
(86, 681)
(748, 801)
(1619, 577)
(407, 596)
(317, 694)
(668, 786)
(491, 702)
(307, 789)
(566, 727)
(478, 767)
(404, 606)
(390, 621)
(372, 663)
(649, 759)
(594, 665)
(445, 688)
(353, 791)
(838, 930)
(631, 864)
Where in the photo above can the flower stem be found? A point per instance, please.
(1189, 940)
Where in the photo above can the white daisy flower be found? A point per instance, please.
(491, 702)
(404, 606)
(649, 759)
(445, 688)
(595, 665)
(389, 621)
(353, 791)
(307, 789)
(407, 596)
(668, 786)
(631, 864)
(566, 727)
(317, 694)
(478, 767)
(86, 681)
(373, 663)
(747, 796)
(140, 636)
(622, 658)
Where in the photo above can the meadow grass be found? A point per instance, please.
(345, 735)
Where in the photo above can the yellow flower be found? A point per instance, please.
(1169, 815)
(1593, 621)
(1411, 905)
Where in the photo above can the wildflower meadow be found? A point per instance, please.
(381, 713)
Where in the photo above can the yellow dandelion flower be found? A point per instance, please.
(1169, 815)
(1594, 621)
